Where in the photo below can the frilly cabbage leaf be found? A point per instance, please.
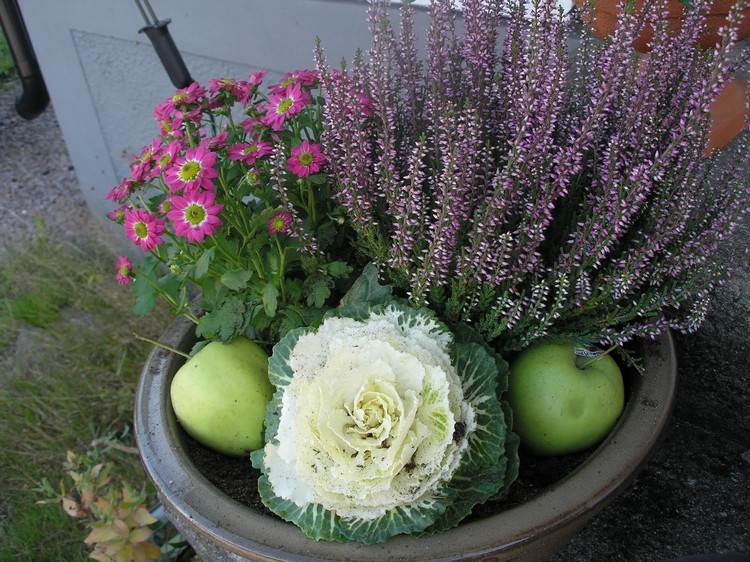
(480, 455)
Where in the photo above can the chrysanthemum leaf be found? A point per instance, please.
(367, 288)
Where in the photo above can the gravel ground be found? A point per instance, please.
(36, 176)
(694, 495)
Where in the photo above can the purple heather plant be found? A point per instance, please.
(530, 188)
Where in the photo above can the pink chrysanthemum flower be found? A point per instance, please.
(216, 85)
(167, 155)
(307, 78)
(280, 223)
(140, 169)
(192, 94)
(256, 78)
(250, 125)
(193, 171)
(195, 215)
(169, 119)
(246, 88)
(218, 141)
(123, 268)
(143, 228)
(284, 105)
(121, 191)
(249, 153)
(252, 177)
(195, 115)
(117, 215)
(306, 159)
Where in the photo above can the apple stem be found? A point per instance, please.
(590, 361)
(161, 345)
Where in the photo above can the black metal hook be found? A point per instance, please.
(156, 30)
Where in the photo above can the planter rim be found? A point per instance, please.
(246, 532)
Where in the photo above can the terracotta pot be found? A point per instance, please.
(603, 20)
(729, 114)
(221, 529)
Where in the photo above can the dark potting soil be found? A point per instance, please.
(236, 477)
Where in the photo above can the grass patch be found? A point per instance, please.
(72, 384)
(7, 68)
(41, 533)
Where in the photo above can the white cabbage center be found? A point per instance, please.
(369, 419)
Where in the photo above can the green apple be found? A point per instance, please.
(559, 408)
(220, 395)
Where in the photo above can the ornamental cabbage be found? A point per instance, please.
(381, 424)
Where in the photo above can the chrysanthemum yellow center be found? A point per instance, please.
(124, 270)
(252, 178)
(179, 97)
(164, 160)
(285, 105)
(165, 125)
(141, 229)
(189, 170)
(250, 149)
(306, 158)
(194, 214)
(278, 224)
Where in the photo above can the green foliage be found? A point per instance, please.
(367, 288)
(227, 321)
(71, 384)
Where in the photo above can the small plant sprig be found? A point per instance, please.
(121, 526)
(237, 208)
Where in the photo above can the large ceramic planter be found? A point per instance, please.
(221, 529)
(603, 20)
